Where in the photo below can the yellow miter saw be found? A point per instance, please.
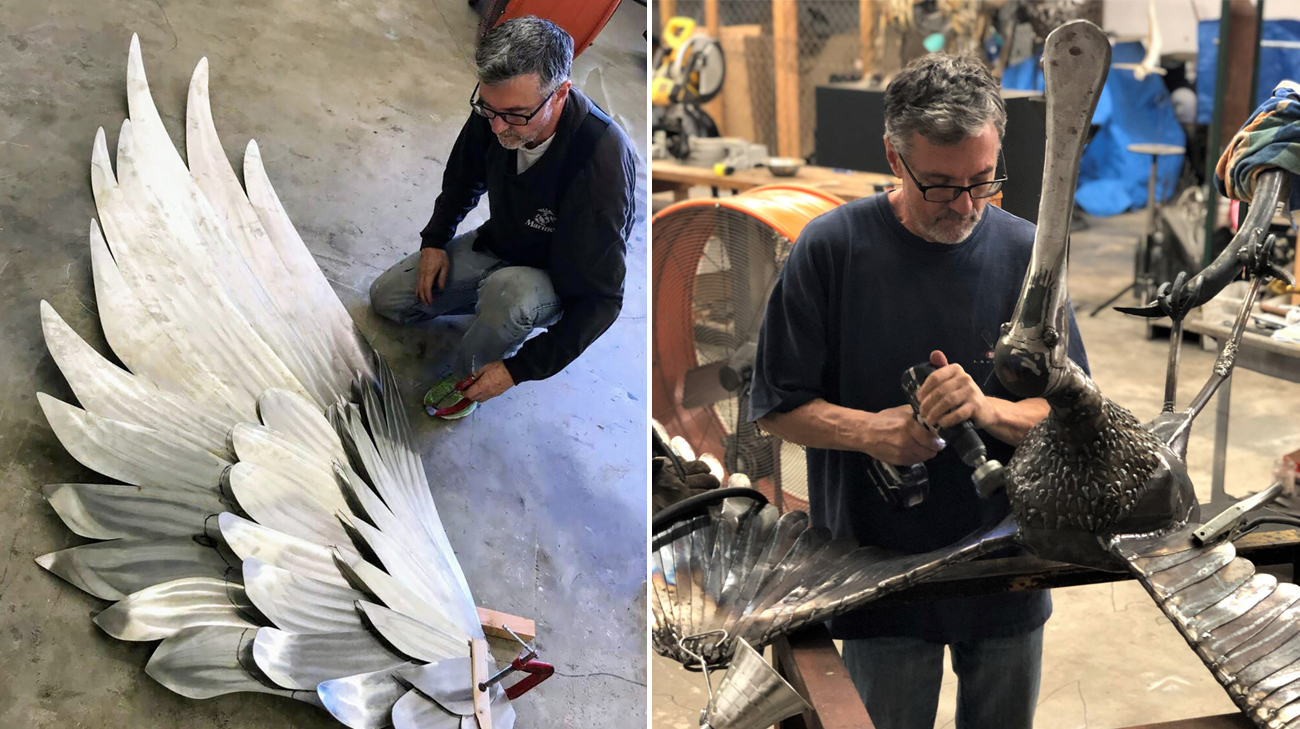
(689, 67)
(689, 71)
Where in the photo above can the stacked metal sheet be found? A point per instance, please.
(271, 522)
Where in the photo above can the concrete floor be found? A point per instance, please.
(1110, 658)
(355, 106)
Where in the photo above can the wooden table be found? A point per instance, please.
(1257, 353)
(809, 661)
(680, 178)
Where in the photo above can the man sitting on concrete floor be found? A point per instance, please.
(928, 271)
(559, 176)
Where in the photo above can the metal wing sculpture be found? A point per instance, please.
(272, 523)
(1090, 485)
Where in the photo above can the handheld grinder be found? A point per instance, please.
(989, 474)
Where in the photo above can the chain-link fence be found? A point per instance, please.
(835, 43)
(828, 38)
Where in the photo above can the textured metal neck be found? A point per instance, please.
(1032, 353)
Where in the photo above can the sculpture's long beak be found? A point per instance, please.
(1031, 355)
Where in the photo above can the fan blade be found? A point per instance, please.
(702, 386)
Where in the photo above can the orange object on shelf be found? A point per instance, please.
(582, 19)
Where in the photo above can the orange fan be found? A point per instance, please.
(582, 19)
(715, 262)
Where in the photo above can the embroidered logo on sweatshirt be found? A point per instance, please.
(544, 221)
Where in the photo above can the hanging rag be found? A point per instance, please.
(1271, 138)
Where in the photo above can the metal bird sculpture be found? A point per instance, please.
(271, 522)
(1090, 485)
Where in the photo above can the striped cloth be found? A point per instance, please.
(1271, 138)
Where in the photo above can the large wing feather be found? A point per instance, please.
(273, 524)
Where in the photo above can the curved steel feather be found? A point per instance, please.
(235, 346)
(164, 610)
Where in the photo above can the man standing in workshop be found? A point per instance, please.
(928, 271)
(559, 176)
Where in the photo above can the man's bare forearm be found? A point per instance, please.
(1014, 419)
(819, 424)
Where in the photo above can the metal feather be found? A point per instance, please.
(261, 447)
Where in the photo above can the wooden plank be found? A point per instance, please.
(846, 185)
(1295, 297)
(495, 623)
(736, 103)
(717, 107)
(667, 11)
(785, 46)
(809, 661)
(1237, 104)
(867, 33)
(479, 654)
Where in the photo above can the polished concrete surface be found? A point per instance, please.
(1110, 658)
(355, 106)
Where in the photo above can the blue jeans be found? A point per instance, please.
(899, 678)
(509, 302)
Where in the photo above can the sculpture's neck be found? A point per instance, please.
(1032, 356)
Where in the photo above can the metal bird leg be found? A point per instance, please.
(1177, 299)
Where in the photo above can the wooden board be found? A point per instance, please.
(715, 108)
(867, 33)
(809, 661)
(738, 110)
(785, 47)
(849, 186)
(494, 624)
(479, 655)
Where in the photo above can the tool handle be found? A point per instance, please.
(962, 436)
(537, 671)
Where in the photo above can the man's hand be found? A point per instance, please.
(489, 382)
(949, 396)
(895, 437)
(434, 265)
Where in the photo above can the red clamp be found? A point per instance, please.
(537, 672)
(461, 404)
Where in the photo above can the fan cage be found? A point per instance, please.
(713, 269)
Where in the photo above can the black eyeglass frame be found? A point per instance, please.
(508, 116)
(958, 189)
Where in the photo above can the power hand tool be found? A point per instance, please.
(989, 474)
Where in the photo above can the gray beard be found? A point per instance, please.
(952, 236)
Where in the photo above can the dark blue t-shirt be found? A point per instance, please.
(860, 300)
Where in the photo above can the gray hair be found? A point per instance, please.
(946, 98)
(522, 46)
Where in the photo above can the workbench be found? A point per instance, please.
(847, 184)
(1257, 353)
(809, 660)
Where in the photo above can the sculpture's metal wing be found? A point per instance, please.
(273, 525)
(743, 570)
(1244, 625)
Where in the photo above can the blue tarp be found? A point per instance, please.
(1275, 64)
(1112, 179)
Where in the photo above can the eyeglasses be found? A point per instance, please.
(514, 120)
(949, 193)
